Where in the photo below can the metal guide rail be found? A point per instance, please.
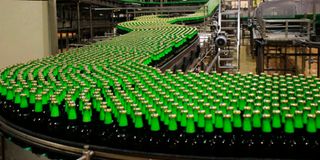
(84, 151)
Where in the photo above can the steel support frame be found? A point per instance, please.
(106, 3)
(261, 47)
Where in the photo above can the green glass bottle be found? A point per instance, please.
(171, 136)
(72, 125)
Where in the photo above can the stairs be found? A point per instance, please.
(228, 56)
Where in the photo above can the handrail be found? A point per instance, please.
(219, 17)
(285, 23)
(238, 36)
(213, 61)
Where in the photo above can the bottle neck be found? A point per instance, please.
(32, 99)
(190, 126)
(183, 119)
(123, 121)
(266, 126)
(219, 121)
(108, 118)
(227, 126)
(256, 120)
(54, 110)
(17, 99)
(101, 115)
(237, 121)
(72, 114)
(172, 124)
(86, 116)
(155, 125)
(201, 121)
(38, 106)
(138, 122)
(298, 121)
(311, 125)
(276, 121)
(24, 102)
(10, 94)
(247, 125)
(289, 128)
(208, 125)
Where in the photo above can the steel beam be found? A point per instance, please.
(152, 8)
(106, 3)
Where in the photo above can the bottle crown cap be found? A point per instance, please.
(190, 116)
(289, 116)
(172, 115)
(208, 116)
(138, 113)
(266, 115)
(311, 116)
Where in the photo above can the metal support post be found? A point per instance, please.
(314, 16)
(318, 69)
(78, 21)
(86, 154)
(308, 30)
(67, 40)
(134, 13)
(249, 8)
(238, 36)
(127, 15)
(161, 6)
(219, 17)
(91, 27)
(204, 17)
(296, 60)
(287, 28)
(2, 141)
(260, 57)
(53, 27)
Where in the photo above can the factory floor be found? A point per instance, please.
(247, 62)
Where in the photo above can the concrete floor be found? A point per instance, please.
(247, 63)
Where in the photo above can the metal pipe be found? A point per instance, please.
(219, 17)
(308, 43)
(109, 153)
(238, 37)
